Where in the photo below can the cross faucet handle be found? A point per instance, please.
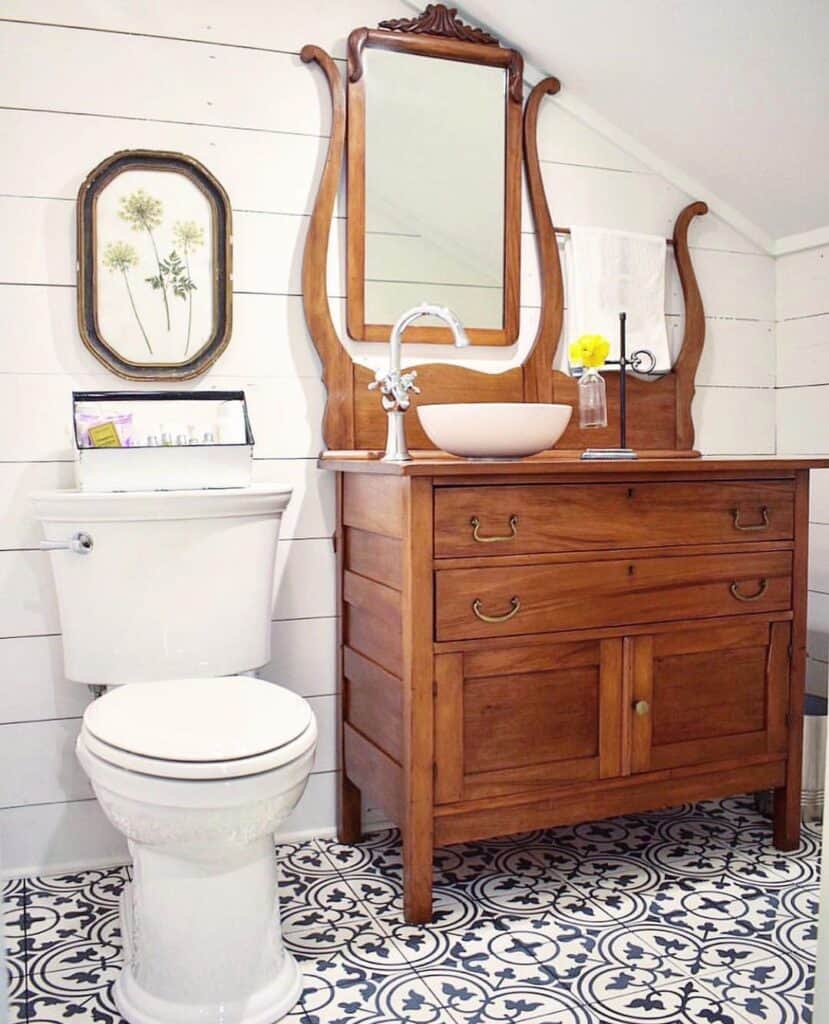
(395, 388)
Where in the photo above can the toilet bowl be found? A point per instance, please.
(164, 597)
(198, 774)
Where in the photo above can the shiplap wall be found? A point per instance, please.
(803, 419)
(80, 79)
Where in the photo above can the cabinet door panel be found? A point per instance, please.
(504, 723)
(711, 694)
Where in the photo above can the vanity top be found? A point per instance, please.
(564, 463)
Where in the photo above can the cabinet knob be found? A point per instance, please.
(641, 707)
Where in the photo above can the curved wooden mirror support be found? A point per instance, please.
(659, 412)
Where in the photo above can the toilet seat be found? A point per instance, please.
(199, 729)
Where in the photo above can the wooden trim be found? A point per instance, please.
(338, 419)
(506, 781)
(641, 690)
(606, 555)
(562, 466)
(380, 601)
(538, 365)
(685, 367)
(787, 797)
(601, 632)
(448, 728)
(374, 702)
(349, 801)
(418, 723)
(611, 703)
(375, 506)
(777, 687)
(424, 43)
(592, 802)
(378, 776)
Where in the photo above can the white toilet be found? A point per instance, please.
(170, 593)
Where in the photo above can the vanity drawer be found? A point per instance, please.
(539, 518)
(473, 603)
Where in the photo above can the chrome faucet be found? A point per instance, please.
(395, 386)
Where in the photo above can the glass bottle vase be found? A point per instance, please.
(592, 399)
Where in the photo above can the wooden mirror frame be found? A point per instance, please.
(436, 33)
(659, 412)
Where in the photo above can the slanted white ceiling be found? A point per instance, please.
(735, 93)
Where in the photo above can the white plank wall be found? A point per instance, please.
(83, 78)
(803, 420)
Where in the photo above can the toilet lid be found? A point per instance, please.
(198, 721)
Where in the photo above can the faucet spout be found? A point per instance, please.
(396, 386)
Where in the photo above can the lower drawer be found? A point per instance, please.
(513, 601)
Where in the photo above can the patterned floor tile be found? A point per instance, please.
(681, 916)
(72, 921)
(778, 990)
(14, 924)
(83, 995)
(339, 991)
(687, 1001)
(708, 909)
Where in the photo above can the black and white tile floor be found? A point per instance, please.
(687, 916)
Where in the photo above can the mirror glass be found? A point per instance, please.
(435, 157)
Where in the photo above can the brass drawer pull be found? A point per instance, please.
(475, 523)
(641, 707)
(735, 591)
(764, 512)
(515, 607)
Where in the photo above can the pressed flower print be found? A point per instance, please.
(155, 268)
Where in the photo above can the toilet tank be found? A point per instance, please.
(174, 584)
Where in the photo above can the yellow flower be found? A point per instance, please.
(589, 350)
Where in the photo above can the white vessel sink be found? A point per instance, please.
(494, 430)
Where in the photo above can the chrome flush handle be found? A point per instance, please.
(81, 543)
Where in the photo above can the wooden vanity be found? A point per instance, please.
(539, 642)
(550, 641)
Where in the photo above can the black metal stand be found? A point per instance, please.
(641, 361)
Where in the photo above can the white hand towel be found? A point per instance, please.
(611, 272)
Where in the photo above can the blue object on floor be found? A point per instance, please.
(815, 705)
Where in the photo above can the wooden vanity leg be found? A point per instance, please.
(418, 705)
(349, 812)
(417, 876)
(787, 798)
(787, 818)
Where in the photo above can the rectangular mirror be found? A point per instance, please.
(434, 187)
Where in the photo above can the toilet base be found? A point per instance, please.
(266, 1006)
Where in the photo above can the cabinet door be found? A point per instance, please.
(709, 694)
(517, 718)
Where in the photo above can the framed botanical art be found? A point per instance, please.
(154, 265)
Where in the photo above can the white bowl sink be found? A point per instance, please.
(494, 430)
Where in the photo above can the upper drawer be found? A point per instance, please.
(538, 518)
(523, 599)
